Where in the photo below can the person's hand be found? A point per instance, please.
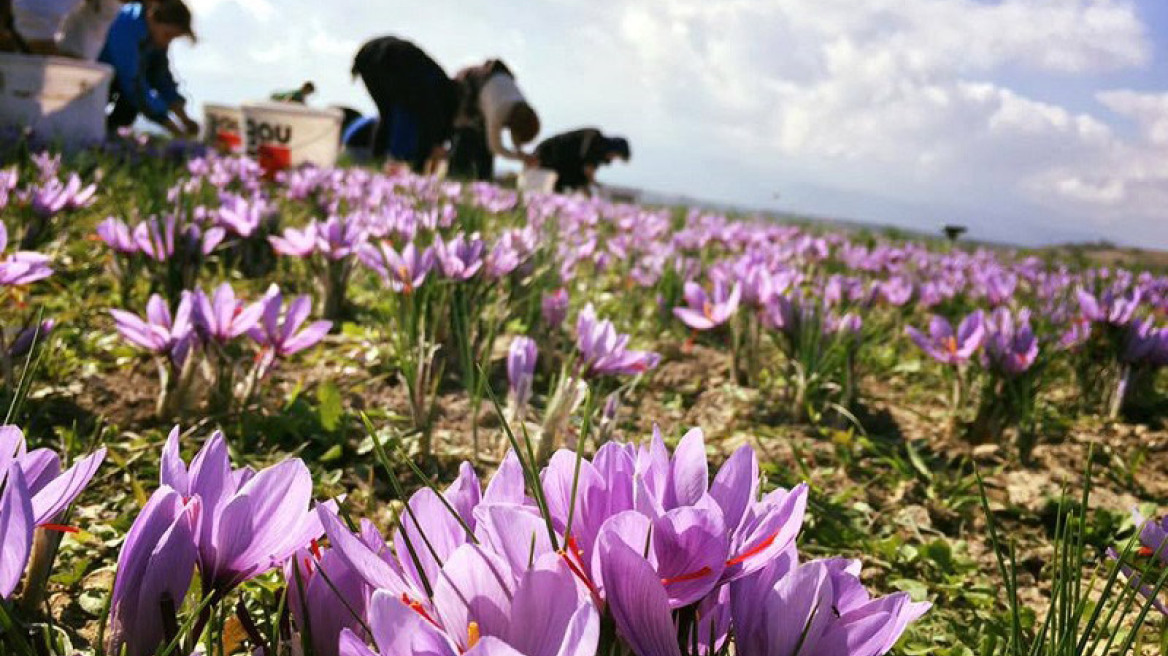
(190, 125)
(394, 167)
(531, 161)
(173, 128)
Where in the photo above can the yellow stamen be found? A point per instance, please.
(473, 635)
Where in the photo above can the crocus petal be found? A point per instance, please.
(736, 485)
(16, 531)
(690, 471)
(63, 490)
(375, 570)
(474, 586)
(397, 629)
(309, 337)
(517, 533)
(798, 611)
(637, 600)
(555, 620)
(173, 471)
(351, 645)
(507, 484)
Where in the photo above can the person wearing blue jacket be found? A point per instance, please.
(137, 48)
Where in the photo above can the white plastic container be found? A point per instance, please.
(287, 134)
(537, 181)
(223, 127)
(60, 99)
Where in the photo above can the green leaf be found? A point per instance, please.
(333, 454)
(916, 589)
(331, 408)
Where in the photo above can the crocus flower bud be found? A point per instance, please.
(555, 307)
(521, 369)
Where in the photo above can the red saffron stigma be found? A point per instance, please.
(762, 546)
(60, 528)
(700, 574)
(316, 548)
(1146, 551)
(418, 608)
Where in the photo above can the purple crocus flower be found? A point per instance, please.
(156, 238)
(604, 352)
(1153, 535)
(1141, 342)
(249, 523)
(554, 307)
(338, 238)
(708, 311)
(947, 346)
(1011, 347)
(21, 267)
(54, 197)
(280, 333)
(460, 258)
(35, 493)
(241, 215)
(295, 243)
(324, 592)
(482, 608)
(817, 609)
(24, 340)
(52, 490)
(521, 369)
(155, 568)
(896, 291)
(504, 258)
(117, 235)
(222, 317)
(403, 272)
(1112, 307)
(159, 333)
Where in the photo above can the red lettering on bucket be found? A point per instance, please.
(274, 158)
(228, 141)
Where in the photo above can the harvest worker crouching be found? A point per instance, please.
(299, 96)
(491, 103)
(575, 156)
(137, 48)
(70, 28)
(415, 99)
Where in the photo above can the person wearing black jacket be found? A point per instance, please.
(415, 99)
(576, 155)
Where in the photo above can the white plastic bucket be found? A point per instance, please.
(59, 99)
(223, 127)
(537, 181)
(287, 134)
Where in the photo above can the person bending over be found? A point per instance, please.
(137, 48)
(575, 156)
(491, 103)
(298, 96)
(415, 99)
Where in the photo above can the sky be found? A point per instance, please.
(1029, 121)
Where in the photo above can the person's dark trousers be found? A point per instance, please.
(470, 156)
(567, 181)
(123, 115)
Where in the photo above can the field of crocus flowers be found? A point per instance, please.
(334, 412)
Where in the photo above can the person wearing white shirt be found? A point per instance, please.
(492, 104)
